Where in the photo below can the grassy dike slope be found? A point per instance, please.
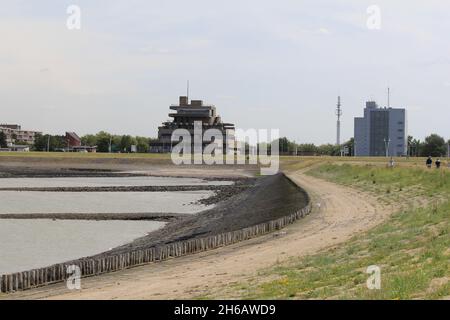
(412, 248)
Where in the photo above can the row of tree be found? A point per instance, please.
(107, 142)
(289, 147)
(104, 141)
(49, 142)
(433, 145)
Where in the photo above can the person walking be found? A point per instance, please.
(429, 162)
(438, 163)
(391, 162)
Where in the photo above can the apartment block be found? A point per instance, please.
(15, 134)
(381, 132)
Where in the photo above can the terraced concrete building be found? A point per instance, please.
(184, 117)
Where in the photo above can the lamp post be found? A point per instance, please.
(448, 149)
(386, 145)
(296, 147)
(448, 154)
(408, 150)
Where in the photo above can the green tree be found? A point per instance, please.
(283, 144)
(143, 144)
(3, 143)
(329, 149)
(125, 143)
(434, 146)
(307, 149)
(49, 142)
(89, 140)
(57, 143)
(103, 140)
(286, 146)
(116, 140)
(414, 146)
(410, 140)
(40, 142)
(350, 145)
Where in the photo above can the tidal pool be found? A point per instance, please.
(29, 202)
(105, 182)
(32, 243)
(28, 244)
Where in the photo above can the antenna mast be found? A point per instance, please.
(187, 91)
(389, 97)
(338, 114)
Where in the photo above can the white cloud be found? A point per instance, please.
(131, 60)
(323, 31)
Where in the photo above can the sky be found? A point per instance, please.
(263, 64)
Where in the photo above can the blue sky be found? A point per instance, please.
(264, 64)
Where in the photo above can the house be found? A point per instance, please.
(73, 142)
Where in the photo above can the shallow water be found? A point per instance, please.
(28, 244)
(105, 182)
(14, 202)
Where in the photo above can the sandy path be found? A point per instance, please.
(339, 213)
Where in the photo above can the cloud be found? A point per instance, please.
(130, 60)
(81, 62)
(323, 31)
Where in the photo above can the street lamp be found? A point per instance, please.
(448, 149)
(386, 145)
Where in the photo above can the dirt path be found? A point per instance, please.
(338, 214)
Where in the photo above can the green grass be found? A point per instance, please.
(390, 184)
(370, 177)
(411, 248)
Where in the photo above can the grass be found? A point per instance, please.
(412, 248)
(389, 184)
